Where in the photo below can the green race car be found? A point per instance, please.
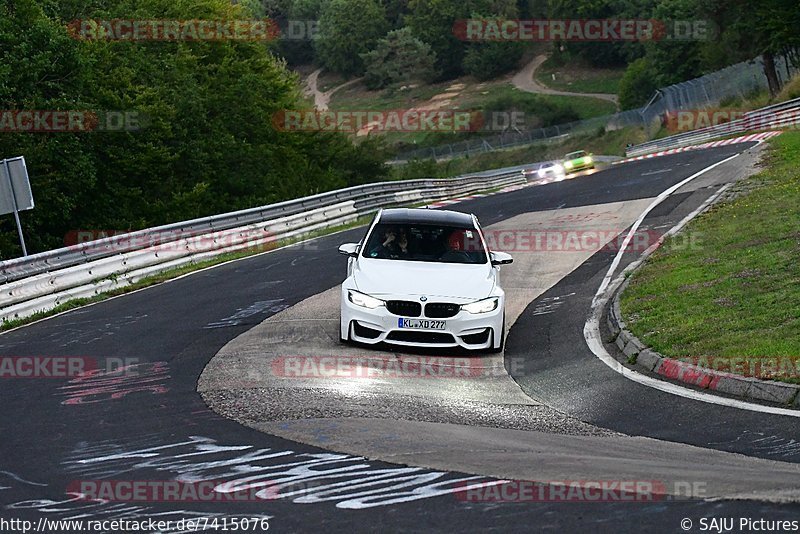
(578, 161)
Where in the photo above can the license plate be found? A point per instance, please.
(424, 324)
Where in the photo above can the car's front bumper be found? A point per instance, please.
(551, 174)
(379, 325)
(579, 167)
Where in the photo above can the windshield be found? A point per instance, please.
(575, 155)
(425, 242)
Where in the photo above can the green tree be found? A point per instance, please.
(347, 29)
(637, 85)
(437, 23)
(207, 145)
(766, 28)
(300, 27)
(603, 53)
(676, 59)
(397, 58)
(396, 11)
(432, 21)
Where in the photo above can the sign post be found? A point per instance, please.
(15, 192)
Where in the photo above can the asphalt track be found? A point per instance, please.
(149, 423)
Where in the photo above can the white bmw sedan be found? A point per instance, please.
(424, 278)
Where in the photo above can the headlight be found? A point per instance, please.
(365, 301)
(482, 306)
(568, 165)
(588, 159)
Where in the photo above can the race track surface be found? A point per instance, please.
(387, 453)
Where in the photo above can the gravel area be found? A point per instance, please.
(259, 405)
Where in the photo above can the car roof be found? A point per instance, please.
(576, 152)
(426, 216)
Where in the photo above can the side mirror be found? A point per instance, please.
(500, 258)
(349, 249)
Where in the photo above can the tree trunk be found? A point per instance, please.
(772, 74)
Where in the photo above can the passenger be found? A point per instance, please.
(393, 245)
(402, 242)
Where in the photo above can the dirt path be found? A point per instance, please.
(525, 81)
(321, 99)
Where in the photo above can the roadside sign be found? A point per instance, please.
(14, 180)
(15, 192)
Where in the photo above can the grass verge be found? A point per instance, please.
(733, 296)
(584, 107)
(576, 76)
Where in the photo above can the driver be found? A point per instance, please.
(463, 240)
(457, 240)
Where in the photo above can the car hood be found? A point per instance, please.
(396, 277)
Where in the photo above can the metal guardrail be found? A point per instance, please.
(81, 253)
(768, 118)
(45, 280)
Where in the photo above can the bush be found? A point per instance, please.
(791, 90)
(538, 112)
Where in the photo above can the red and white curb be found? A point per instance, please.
(744, 139)
(750, 388)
